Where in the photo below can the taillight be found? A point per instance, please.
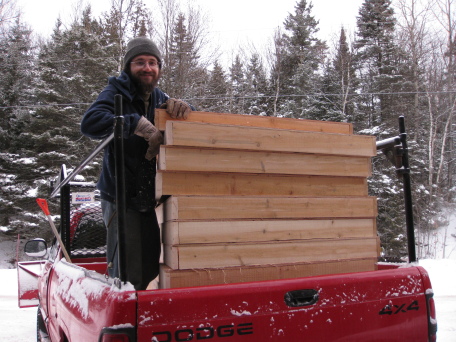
(432, 321)
(118, 335)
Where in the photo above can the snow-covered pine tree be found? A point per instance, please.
(256, 87)
(381, 64)
(20, 168)
(124, 20)
(295, 72)
(237, 86)
(217, 99)
(74, 66)
(182, 70)
(17, 64)
(338, 85)
(181, 37)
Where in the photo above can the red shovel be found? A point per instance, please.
(44, 206)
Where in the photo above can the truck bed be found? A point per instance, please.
(368, 306)
(382, 305)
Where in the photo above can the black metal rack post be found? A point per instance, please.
(407, 192)
(65, 203)
(399, 149)
(120, 184)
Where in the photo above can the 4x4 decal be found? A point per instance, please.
(393, 309)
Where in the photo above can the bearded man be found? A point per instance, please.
(138, 86)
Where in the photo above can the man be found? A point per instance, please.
(138, 86)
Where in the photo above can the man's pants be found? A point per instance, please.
(142, 245)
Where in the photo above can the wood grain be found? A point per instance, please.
(180, 158)
(243, 207)
(241, 184)
(194, 134)
(188, 232)
(161, 118)
(267, 253)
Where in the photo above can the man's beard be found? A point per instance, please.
(145, 87)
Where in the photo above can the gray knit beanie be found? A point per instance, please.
(141, 46)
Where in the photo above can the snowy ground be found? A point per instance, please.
(19, 325)
(443, 278)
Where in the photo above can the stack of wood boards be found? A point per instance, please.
(249, 198)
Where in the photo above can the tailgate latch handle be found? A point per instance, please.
(300, 298)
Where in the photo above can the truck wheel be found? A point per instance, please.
(41, 331)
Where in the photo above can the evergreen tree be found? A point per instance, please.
(339, 84)
(74, 67)
(75, 63)
(17, 65)
(327, 103)
(141, 21)
(382, 65)
(238, 87)
(256, 87)
(217, 98)
(125, 19)
(180, 74)
(184, 72)
(21, 171)
(301, 57)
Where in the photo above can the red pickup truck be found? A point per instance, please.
(77, 301)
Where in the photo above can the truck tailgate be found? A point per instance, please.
(387, 305)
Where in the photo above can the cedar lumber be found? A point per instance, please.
(181, 133)
(189, 232)
(180, 158)
(266, 253)
(237, 184)
(161, 118)
(170, 278)
(245, 207)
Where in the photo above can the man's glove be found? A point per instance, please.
(178, 109)
(151, 134)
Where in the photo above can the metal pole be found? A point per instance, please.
(407, 192)
(65, 217)
(65, 180)
(120, 184)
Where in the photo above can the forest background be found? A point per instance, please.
(399, 60)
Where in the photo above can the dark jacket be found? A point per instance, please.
(98, 123)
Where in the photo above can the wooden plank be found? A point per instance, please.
(170, 278)
(267, 253)
(161, 117)
(178, 158)
(243, 207)
(194, 134)
(178, 233)
(236, 184)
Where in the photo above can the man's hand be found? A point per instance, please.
(151, 134)
(178, 109)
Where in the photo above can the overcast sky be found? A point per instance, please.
(233, 23)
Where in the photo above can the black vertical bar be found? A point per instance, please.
(407, 192)
(120, 184)
(65, 209)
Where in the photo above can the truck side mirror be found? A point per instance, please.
(36, 248)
